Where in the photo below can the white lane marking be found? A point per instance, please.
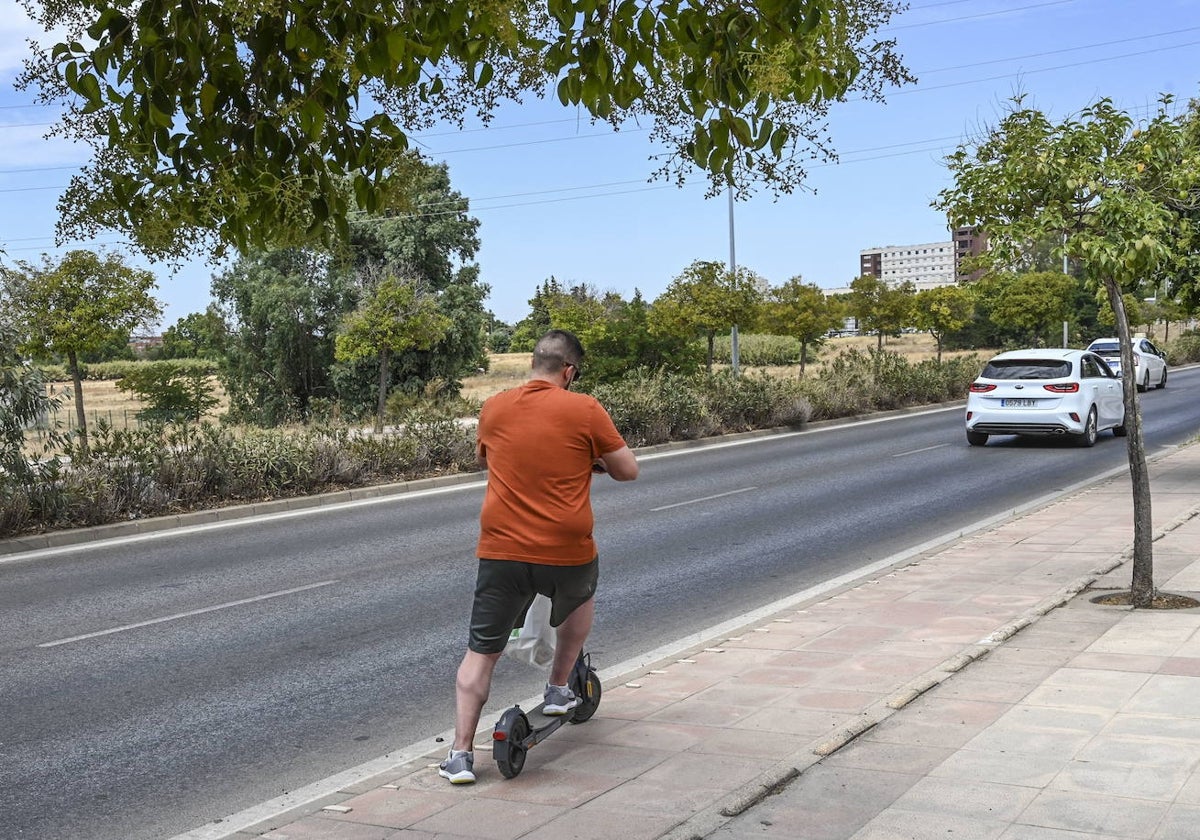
(399, 498)
(833, 426)
(236, 522)
(915, 451)
(187, 614)
(705, 499)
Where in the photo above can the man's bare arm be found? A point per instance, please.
(621, 464)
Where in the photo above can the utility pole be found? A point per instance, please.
(733, 335)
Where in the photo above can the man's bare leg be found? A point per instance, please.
(572, 633)
(472, 686)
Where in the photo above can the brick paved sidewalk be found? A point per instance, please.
(751, 735)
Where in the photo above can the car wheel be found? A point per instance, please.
(1120, 431)
(1162, 383)
(977, 438)
(1144, 385)
(1088, 436)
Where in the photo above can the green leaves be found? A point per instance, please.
(265, 99)
(1030, 180)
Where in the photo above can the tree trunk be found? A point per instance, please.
(383, 383)
(712, 337)
(879, 345)
(1142, 586)
(80, 416)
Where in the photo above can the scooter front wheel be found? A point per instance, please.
(507, 742)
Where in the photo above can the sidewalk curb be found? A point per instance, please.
(783, 773)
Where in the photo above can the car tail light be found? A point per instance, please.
(1137, 360)
(1062, 387)
(981, 388)
(1074, 416)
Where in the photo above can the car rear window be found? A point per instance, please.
(1108, 348)
(1027, 369)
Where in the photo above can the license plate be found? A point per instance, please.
(1018, 403)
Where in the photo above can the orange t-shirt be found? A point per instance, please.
(540, 442)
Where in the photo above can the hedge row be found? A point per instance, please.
(163, 468)
(117, 370)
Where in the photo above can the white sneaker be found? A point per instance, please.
(459, 767)
(559, 700)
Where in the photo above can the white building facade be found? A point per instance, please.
(926, 266)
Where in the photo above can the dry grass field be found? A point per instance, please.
(511, 369)
(103, 401)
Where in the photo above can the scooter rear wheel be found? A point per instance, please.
(507, 749)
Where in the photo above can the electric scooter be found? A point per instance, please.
(514, 736)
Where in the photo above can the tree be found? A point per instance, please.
(283, 309)
(436, 247)
(803, 311)
(1035, 305)
(617, 335)
(533, 326)
(706, 299)
(238, 123)
(943, 310)
(172, 390)
(880, 308)
(1133, 309)
(394, 317)
(1122, 200)
(199, 335)
(285, 305)
(78, 305)
(23, 404)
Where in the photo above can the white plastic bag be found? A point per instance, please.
(533, 642)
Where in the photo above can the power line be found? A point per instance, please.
(974, 16)
(36, 169)
(920, 89)
(1057, 52)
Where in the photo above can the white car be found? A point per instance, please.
(1149, 363)
(1045, 392)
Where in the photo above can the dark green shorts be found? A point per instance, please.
(504, 589)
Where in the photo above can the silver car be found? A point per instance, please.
(1149, 363)
(1045, 392)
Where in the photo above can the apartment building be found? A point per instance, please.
(927, 265)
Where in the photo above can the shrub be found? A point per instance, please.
(172, 391)
(651, 407)
(756, 350)
(655, 407)
(161, 468)
(1184, 349)
(741, 403)
(858, 382)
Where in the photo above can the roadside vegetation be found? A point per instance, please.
(173, 434)
(155, 467)
(318, 368)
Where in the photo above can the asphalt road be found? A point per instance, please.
(149, 686)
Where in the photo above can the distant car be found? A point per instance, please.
(1149, 363)
(1045, 392)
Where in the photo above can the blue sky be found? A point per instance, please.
(558, 196)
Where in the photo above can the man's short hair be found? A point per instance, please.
(555, 349)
